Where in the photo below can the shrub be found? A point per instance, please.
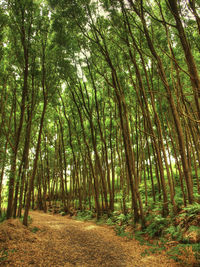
(174, 232)
(85, 215)
(120, 230)
(110, 222)
(193, 209)
(156, 226)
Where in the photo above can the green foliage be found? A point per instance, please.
(29, 219)
(156, 226)
(85, 215)
(110, 222)
(3, 255)
(120, 221)
(197, 195)
(121, 218)
(120, 231)
(174, 232)
(58, 42)
(186, 253)
(194, 228)
(63, 213)
(179, 199)
(196, 250)
(102, 220)
(2, 217)
(174, 252)
(35, 229)
(139, 237)
(193, 209)
(148, 252)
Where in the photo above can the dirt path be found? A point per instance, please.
(61, 241)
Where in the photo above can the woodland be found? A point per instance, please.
(100, 112)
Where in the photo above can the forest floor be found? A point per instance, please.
(53, 240)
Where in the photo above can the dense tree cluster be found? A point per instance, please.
(99, 105)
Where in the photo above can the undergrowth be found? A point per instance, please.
(29, 219)
(4, 254)
(178, 235)
(35, 229)
(2, 217)
(187, 254)
(85, 215)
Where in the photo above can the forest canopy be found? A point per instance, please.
(99, 105)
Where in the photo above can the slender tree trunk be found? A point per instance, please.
(2, 173)
(19, 129)
(177, 121)
(194, 76)
(31, 181)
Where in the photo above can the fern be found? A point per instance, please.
(85, 215)
(110, 222)
(193, 209)
(188, 255)
(157, 226)
(194, 228)
(174, 232)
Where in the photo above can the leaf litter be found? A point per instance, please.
(54, 240)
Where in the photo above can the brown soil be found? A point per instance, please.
(61, 241)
